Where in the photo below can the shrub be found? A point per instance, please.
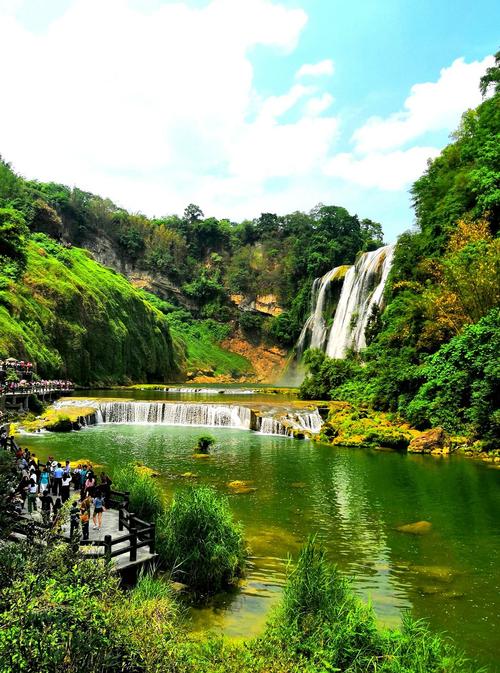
(199, 540)
(204, 443)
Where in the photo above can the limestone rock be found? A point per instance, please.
(432, 441)
(417, 528)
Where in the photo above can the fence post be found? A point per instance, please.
(152, 532)
(131, 520)
(133, 544)
(107, 547)
(120, 518)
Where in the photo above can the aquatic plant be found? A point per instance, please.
(199, 540)
(146, 497)
(204, 443)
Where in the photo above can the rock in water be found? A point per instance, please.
(431, 441)
(417, 528)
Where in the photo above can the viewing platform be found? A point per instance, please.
(124, 540)
(16, 396)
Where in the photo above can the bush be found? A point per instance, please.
(204, 443)
(200, 542)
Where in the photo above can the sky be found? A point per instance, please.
(240, 106)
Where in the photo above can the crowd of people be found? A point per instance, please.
(50, 485)
(25, 386)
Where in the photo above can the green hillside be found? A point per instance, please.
(78, 319)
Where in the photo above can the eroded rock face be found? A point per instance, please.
(432, 441)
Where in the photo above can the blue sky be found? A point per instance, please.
(240, 106)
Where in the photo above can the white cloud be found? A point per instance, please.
(318, 104)
(390, 171)
(156, 109)
(315, 69)
(431, 106)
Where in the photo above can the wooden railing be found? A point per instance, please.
(139, 533)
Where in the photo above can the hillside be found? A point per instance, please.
(77, 319)
(432, 352)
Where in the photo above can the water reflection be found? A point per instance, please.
(354, 501)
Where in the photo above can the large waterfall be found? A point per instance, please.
(315, 331)
(362, 289)
(202, 415)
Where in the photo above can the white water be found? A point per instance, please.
(202, 415)
(315, 331)
(285, 425)
(362, 289)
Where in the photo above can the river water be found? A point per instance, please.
(354, 500)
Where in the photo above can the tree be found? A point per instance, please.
(491, 77)
(13, 234)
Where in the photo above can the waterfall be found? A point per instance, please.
(315, 331)
(201, 415)
(362, 290)
(165, 413)
(286, 424)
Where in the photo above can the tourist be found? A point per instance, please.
(22, 489)
(89, 483)
(46, 501)
(65, 486)
(57, 482)
(56, 511)
(77, 478)
(105, 488)
(84, 520)
(32, 494)
(74, 520)
(44, 480)
(98, 510)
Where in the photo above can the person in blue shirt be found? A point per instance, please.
(57, 483)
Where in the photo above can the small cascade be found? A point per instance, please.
(290, 422)
(315, 330)
(362, 290)
(271, 426)
(165, 413)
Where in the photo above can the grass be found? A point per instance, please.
(146, 497)
(203, 353)
(199, 540)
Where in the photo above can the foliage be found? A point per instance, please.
(8, 480)
(146, 498)
(462, 379)
(79, 320)
(204, 442)
(322, 626)
(325, 375)
(200, 541)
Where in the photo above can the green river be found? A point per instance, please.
(352, 499)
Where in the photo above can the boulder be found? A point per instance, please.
(432, 441)
(417, 528)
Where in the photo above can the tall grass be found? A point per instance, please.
(199, 540)
(322, 626)
(146, 497)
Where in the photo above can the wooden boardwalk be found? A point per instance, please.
(123, 539)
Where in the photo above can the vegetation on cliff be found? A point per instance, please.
(431, 353)
(77, 319)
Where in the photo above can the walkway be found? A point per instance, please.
(130, 547)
